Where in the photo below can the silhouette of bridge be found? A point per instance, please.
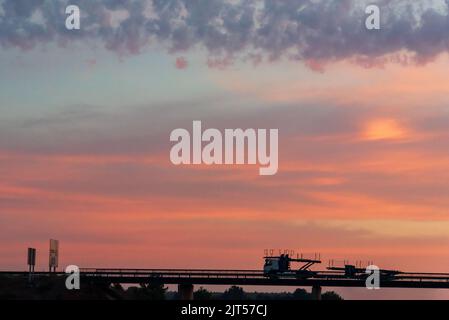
(187, 278)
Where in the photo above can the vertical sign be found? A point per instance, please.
(54, 254)
(31, 263)
(31, 258)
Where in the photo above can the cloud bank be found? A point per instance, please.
(307, 30)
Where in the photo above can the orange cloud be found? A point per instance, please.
(384, 129)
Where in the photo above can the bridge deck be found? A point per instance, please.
(246, 277)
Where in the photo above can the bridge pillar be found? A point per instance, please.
(185, 291)
(316, 293)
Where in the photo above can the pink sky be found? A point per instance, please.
(363, 140)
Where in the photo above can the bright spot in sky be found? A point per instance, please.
(384, 129)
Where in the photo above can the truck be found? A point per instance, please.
(280, 267)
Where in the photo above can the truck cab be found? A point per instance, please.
(276, 265)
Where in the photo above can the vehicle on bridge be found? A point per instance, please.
(280, 266)
(357, 272)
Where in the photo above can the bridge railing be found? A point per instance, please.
(170, 273)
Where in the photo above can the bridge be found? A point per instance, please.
(187, 278)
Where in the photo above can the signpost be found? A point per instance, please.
(31, 259)
(31, 262)
(54, 255)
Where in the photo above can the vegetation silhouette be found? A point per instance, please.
(202, 294)
(53, 288)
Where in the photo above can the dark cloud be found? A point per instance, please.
(245, 29)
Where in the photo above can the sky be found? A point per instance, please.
(86, 117)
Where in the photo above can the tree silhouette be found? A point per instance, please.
(202, 294)
(146, 292)
(234, 293)
(301, 294)
(331, 295)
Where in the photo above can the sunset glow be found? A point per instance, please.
(363, 170)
